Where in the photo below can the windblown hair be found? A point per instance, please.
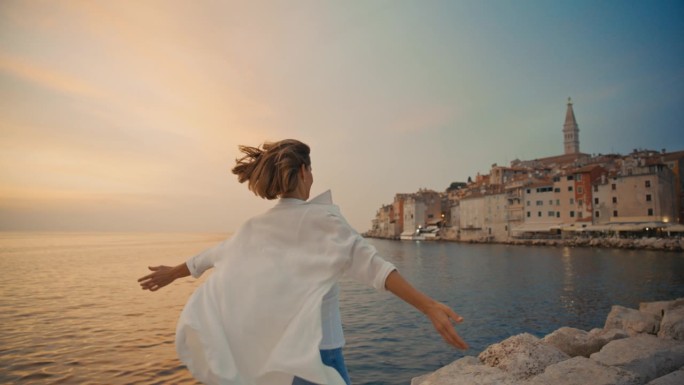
(271, 169)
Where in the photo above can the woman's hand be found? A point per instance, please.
(440, 314)
(442, 318)
(162, 276)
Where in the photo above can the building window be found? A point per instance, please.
(570, 177)
(528, 191)
(540, 203)
(572, 214)
(579, 202)
(647, 183)
(572, 201)
(596, 188)
(557, 214)
(650, 212)
(612, 186)
(528, 203)
(551, 214)
(614, 199)
(595, 201)
(596, 214)
(579, 214)
(648, 197)
(528, 214)
(539, 213)
(579, 176)
(550, 202)
(569, 188)
(615, 213)
(557, 202)
(580, 190)
(557, 189)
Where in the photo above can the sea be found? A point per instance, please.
(72, 312)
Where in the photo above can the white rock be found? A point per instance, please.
(576, 342)
(674, 378)
(571, 341)
(581, 371)
(645, 355)
(659, 308)
(604, 336)
(632, 321)
(522, 356)
(672, 325)
(466, 371)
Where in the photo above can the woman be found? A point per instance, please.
(269, 314)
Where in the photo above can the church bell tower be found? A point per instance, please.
(570, 131)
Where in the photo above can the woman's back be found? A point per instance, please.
(266, 292)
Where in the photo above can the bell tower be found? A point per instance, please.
(570, 131)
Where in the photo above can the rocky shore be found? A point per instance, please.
(661, 244)
(634, 347)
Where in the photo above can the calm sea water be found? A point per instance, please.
(71, 311)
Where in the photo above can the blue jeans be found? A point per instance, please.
(332, 358)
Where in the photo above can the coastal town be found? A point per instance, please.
(573, 198)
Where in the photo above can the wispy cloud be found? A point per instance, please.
(48, 78)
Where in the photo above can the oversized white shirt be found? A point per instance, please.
(257, 319)
(331, 320)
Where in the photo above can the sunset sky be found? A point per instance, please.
(126, 115)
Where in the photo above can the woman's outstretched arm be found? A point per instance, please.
(440, 314)
(162, 276)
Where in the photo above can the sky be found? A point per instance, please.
(127, 115)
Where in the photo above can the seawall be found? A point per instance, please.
(635, 347)
(660, 244)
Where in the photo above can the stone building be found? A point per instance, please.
(541, 206)
(496, 215)
(471, 215)
(646, 194)
(570, 131)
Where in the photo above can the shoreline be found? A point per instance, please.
(635, 347)
(657, 244)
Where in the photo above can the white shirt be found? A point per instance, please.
(235, 330)
(331, 320)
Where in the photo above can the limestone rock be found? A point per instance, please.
(466, 371)
(522, 356)
(646, 356)
(571, 341)
(659, 308)
(672, 325)
(674, 378)
(420, 379)
(582, 371)
(604, 336)
(632, 321)
(575, 342)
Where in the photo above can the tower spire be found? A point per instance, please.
(570, 131)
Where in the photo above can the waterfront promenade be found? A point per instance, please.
(634, 347)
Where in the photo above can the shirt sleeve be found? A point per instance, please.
(365, 265)
(204, 260)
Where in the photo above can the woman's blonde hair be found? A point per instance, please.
(271, 169)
